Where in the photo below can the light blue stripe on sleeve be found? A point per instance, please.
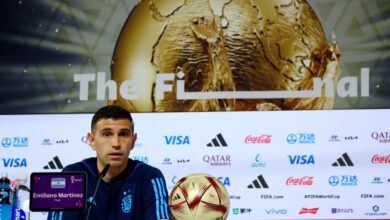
(160, 190)
(156, 194)
(164, 201)
(54, 215)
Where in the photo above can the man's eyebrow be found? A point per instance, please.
(106, 129)
(120, 130)
(125, 129)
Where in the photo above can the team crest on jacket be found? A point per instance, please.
(126, 202)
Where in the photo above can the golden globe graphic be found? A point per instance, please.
(199, 196)
(231, 55)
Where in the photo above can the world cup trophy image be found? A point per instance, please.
(225, 55)
(199, 196)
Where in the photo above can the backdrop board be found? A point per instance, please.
(275, 165)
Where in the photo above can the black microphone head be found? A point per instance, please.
(105, 169)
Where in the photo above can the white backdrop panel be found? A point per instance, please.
(177, 144)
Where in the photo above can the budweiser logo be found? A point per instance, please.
(380, 159)
(304, 181)
(262, 139)
(309, 211)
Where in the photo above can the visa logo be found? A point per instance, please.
(177, 140)
(224, 180)
(15, 162)
(276, 211)
(301, 159)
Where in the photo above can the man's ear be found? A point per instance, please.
(134, 140)
(91, 140)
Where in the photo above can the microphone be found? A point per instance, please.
(104, 171)
(91, 200)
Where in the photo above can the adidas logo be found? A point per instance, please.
(54, 164)
(343, 161)
(258, 183)
(176, 197)
(217, 142)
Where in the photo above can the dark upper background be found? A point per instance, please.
(44, 42)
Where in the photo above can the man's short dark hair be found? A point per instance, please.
(113, 112)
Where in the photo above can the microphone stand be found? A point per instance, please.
(91, 200)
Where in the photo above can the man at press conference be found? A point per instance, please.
(118, 187)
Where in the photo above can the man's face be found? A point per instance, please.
(112, 140)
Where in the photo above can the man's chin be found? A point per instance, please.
(117, 162)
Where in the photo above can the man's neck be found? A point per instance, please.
(113, 172)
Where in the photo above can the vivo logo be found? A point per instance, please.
(301, 159)
(15, 162)
(177, 140)
(276, 211)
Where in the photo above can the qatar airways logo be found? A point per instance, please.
(217, 160)
(381, 137)
(380, 159)
(304, 181)
(260, 139)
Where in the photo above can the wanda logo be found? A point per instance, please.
(380, 159)
(261, 139)
(304, 181)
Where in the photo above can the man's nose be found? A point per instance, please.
(115, 142)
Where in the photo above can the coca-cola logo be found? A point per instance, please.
(261, 139)
(380, 159)
(304, 181)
